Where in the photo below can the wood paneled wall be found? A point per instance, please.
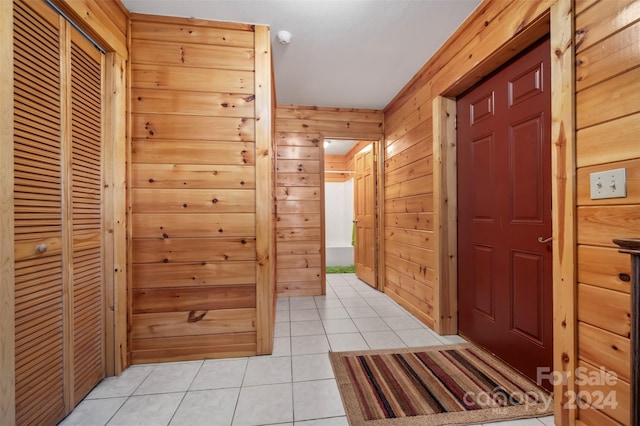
(608, 124)
(339, 123)
(336, 168)
(300, 185)
(299, 214)
(410, 267)
(193, 190)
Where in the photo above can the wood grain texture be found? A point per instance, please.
(193, 323)
(299, 214)
(604, 267)
(105, 21)
(192, 176)
(190, 274)
(603, 348)
(445, 302)
(592, 28)
(192, 55)
(590, 416)
(191, 24)
(620, 389)
(200, 167)
(563, 189)
(597, 225)
(194, 201)
(604, 308)
(156, 126)
(265, 242)
(193, 298)
(494, 33)
(116, 166)
(193, 152)
(615, 93)
(611, 56)
(7, 284)
(150, 101)
(607, 76)
(329, 123)
(193, 347)
(171, 250)
(187, 225)
(149, 76)
(157, 28)
(608, 142)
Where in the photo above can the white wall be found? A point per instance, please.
(338, 202)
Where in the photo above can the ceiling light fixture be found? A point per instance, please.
(283, 37)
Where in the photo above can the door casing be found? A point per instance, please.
(378, 223)
(558, 22)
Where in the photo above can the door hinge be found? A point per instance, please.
(455, 122)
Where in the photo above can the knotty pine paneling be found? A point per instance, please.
(299, 163)
(193, 190)
(299, 220)
(340, 123)
(608, 121)
(340, 167)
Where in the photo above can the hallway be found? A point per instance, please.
(294, 386)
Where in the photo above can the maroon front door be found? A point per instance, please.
(504, 212)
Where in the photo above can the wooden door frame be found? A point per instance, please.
(559, 22)
(7, 279)
(378, 222)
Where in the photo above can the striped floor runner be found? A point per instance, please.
(440, 385)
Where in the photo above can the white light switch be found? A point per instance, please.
(608, 184)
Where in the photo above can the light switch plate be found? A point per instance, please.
(608, 184)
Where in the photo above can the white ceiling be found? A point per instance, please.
(338, 146)
(343, 53)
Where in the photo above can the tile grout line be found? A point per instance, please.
(130, 395)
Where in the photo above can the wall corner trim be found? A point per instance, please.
(445, 289)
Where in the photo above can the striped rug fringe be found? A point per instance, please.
(440, 385)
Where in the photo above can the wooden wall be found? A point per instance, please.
(299, 215)
(340, 167)
(607, 124)
(411, 267)
(194, 208)
(300, 212)
(607, 121)
(337, 168)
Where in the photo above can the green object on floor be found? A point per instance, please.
(353, 233)
(341, 269)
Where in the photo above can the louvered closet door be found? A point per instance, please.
(58, 215)
(86, 215)
(38, 217)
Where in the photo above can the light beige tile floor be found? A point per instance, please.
(293, 386)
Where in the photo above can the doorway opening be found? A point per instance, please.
(350, 205)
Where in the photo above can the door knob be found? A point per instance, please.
(543, 240)
(41, 248)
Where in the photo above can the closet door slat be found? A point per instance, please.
(86, 204)
(37, 151)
